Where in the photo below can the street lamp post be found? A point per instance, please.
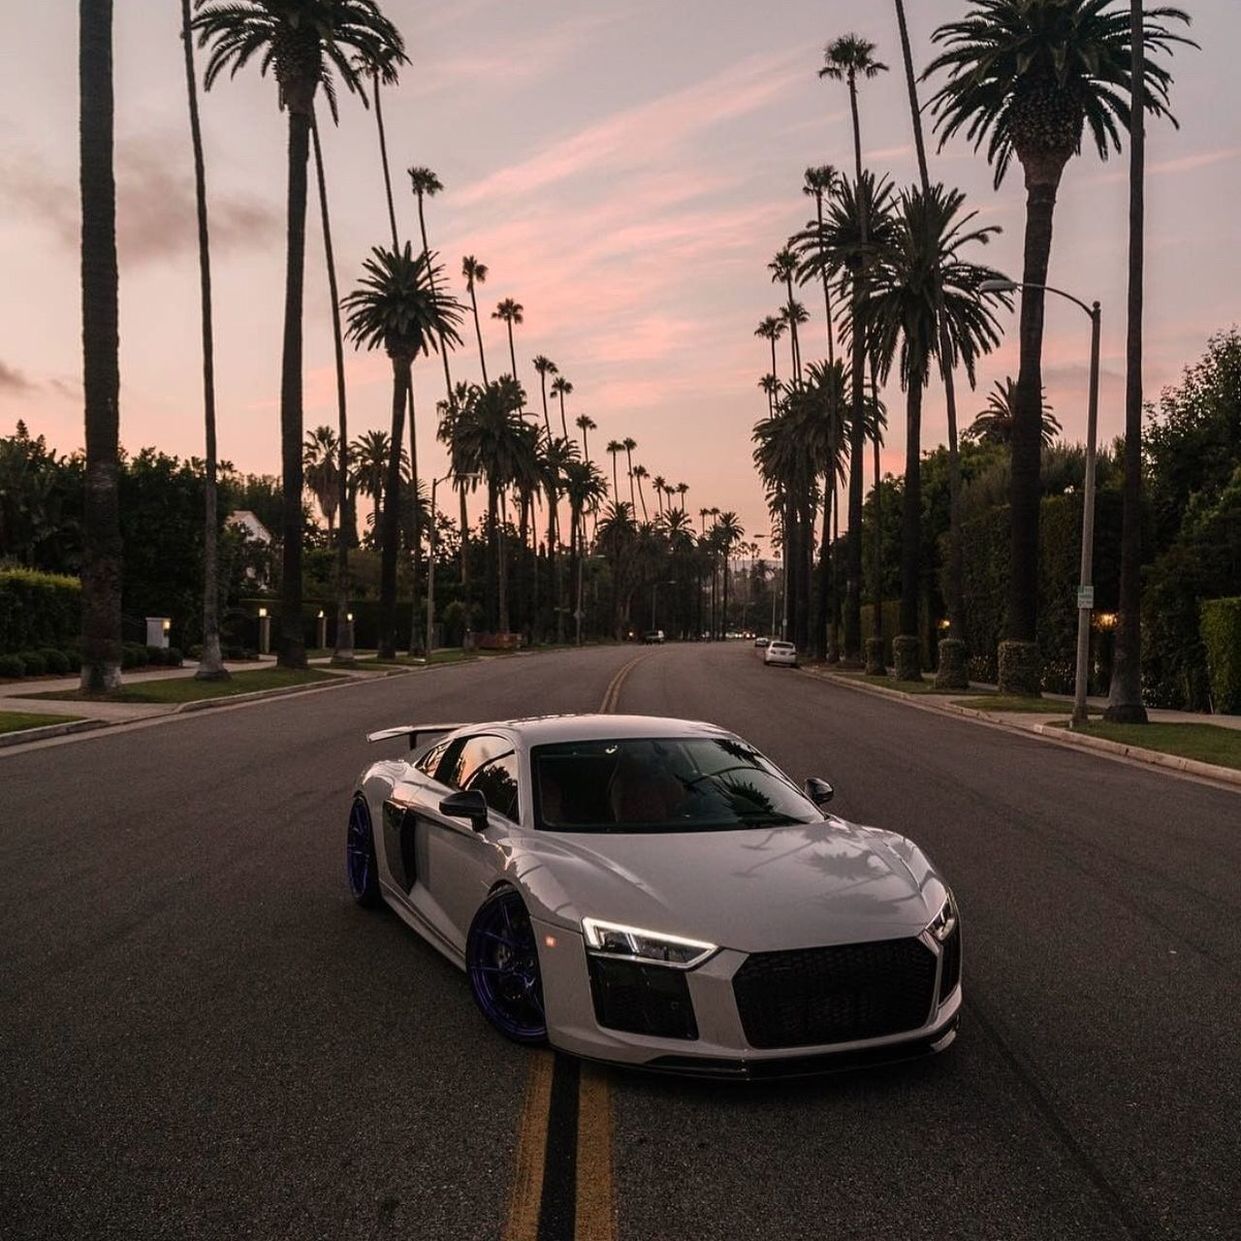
(435, 482)
(1085, 592)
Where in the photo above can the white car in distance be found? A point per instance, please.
(781, 653)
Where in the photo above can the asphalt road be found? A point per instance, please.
(200, 1036)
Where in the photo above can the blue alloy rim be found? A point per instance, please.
(358, 849)
(504, 968)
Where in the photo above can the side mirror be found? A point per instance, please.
(468, 804)
(819, 791)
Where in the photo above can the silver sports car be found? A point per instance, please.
(655, 892)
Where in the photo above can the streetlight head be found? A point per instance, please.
(998, 286)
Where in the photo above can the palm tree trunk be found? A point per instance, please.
(343, 652)
(823, 582)
(211, 665)
(1125, 693)
(877, 584)
(511, 351)
(292, 651)
(911, 511)
(547, 424)
(101, 563)
(415, 629)
(465, 540)
(827, 294)
(774, 376)
(383, 159)
(478, 332)
(1042, 181)
(391, 539)
(426, 254)
(502, 573)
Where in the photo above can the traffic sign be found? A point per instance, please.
(1085, 597)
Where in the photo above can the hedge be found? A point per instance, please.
(1221, 636)
(38, 610)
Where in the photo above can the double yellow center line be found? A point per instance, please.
(562, 1187)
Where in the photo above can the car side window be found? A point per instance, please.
(497, 782)
(466, 756)
(431, 759)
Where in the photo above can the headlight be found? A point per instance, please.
(631, 943)
(944, 922)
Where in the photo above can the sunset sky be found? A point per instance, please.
(626, 168)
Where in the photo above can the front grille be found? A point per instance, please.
(950, 974)
(835, 995)
(641, 999)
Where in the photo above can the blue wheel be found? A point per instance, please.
(502, 960)
(361, 867)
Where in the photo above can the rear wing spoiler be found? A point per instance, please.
(415, 732)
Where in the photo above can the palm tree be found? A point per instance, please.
(772, 389)
(729, 532)
(302, 42)
(923, 291)
(615, 448)
(211, 665)
(659, 483)
(475, 273)
(562, 388)
(1030, 78)
(819, 184)
(320, 456)
(585, 488)
(630, 444)
(849, 59)
(343, 653)
(382, 66)
(425, 184)
(585, 423)
(771, 328)
(545, 366)
(682, 488)
(396, 307)
(994, 423)
(101, 560)
(557, 455)
(369, 455)
(783, 268)
(828, 389)
(639, 473)
(511, 312)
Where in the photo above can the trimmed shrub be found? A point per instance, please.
(35, 664)
(952, 672)
(38, 610)
(1221, 636)
(875, 664)
(12, 666)
(1019, 668)
(57, 662)
(134, 655)
(174, 658)
(905, 656)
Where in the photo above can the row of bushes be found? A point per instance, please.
(135, 655)
(38, 611)
(1221, 638)
(52, 661)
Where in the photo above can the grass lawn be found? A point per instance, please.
(175, 690)
(16, 721)
(924, 686)
(1034, 706)
(1207, 743)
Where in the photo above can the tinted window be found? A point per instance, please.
(497, 782)
(678, 784)
(466, 756)
(431, 759)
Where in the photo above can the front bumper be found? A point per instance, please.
(721, 1048)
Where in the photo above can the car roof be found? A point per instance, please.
(544, 729)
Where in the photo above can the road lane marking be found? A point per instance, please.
(615, 685)
(526, 1194)
(596, 1212)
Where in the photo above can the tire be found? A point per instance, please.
(502, 961)
(361, 865)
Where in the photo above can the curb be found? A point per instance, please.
(44, 731)
(340, 679)
(1173, 763)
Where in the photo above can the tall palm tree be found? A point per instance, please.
(585, 488)
(682, 488)
(101, 560)
(396, 307)
(615, 448)
(545, 366)
(302, 42)
(923, 291)
(994, 423)
(629, 444)
(828, 388)
(729, 532)
(850, 59)
(557, 455)
(343, 652)
(320, 456)
(381, 64)
(369, 457)
(425, 184)
(475, 273)
(818, 184)
(783, 268)
(562, 388)
(211, 665)
(639, 473)
(771, 328)
(1030, 78)
(772, 389)
(585, 423)
(659, 483)
(510, 312)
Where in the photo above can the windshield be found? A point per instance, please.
(677, 784)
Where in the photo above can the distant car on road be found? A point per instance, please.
(761, 643)
(653, 636)
(782, 653)
(656, 892)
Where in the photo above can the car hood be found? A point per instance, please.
(753, 890)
